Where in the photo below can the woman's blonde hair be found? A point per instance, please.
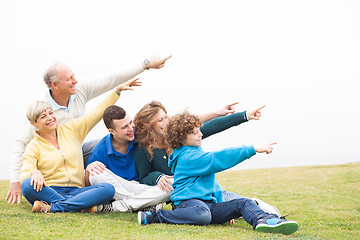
(35, 109)
(144, 120)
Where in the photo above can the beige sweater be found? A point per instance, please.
(86, 90)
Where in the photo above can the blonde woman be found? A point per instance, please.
(53, 173)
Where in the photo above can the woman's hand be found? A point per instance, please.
(37, 180)
(254, 114)
(165, 183)
(128, 85)
(266, 148)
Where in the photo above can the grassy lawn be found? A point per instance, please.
(324, 200)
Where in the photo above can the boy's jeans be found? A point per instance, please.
(198, 212)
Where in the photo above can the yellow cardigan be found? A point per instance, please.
(63, 167)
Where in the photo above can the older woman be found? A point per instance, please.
(53, 173)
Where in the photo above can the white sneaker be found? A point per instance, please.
(154, 207)
(267, 207)
(105, 208)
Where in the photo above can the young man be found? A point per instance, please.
(68, 98)
(197, 196)
(112, 161)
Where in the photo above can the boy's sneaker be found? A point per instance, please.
(145, 218)
(267, 207)
(272, 224)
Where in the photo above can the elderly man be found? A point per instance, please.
(68, 100)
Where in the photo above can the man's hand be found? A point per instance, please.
(14, 193)
(228, 109)
(37, 180)
(266, 148)
(157, 62)
(254, 114)
(95, 168)
(165, 183)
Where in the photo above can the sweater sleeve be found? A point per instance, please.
(16, 160)
(147, 174)
(30, 159)
(84, 124)
(220, 124)
(200, 163)
(101, 84)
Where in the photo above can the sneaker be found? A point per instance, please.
(41, 207)
(145, 218)
(152, 208)
(105, 208)
(273, 224)
(267, 207)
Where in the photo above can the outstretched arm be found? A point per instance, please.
(156, 62)
(228, 109)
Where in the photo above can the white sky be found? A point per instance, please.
(300, 58)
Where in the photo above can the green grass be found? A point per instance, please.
(324, 200)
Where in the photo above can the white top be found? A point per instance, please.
(85, 91)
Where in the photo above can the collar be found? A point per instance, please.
(110, 147)
(56, 106)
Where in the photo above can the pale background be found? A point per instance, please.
(300, 58)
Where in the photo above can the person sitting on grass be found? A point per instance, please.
(151, 156)
(197, 196)
(52, 174)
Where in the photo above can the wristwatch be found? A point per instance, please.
(146, 62)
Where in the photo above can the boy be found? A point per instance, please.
(197, 196)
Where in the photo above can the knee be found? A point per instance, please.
(26, 186)
(99, 178)
(108, 190)
(202, 216)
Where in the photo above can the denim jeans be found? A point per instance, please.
(69, 199)
(228, 196)
(198, 212)
(87, 148)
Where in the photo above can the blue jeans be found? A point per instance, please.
(228, 196)
(69, 199)
(198, 212)
(87, 148)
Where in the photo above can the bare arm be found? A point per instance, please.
(228, 109)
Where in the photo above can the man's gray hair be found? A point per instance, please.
(52, 74)
(35, 109)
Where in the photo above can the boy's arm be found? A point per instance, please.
(199, 163)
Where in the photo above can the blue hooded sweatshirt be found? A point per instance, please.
(194, 171)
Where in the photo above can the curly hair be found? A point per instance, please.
(144, 120)
(179, 127)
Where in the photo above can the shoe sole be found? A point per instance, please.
(139, 218)
(267, 207)
(286, 228)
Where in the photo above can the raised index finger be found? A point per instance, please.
(260, 108)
